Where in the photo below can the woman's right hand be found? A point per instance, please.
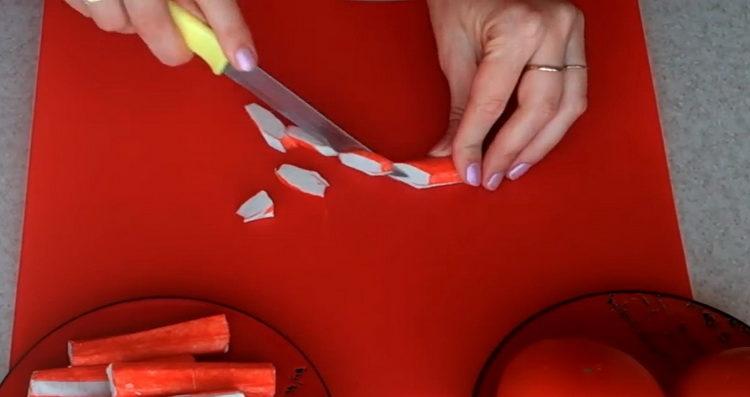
(151, 20)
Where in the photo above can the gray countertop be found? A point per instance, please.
(700, 52)
(700, 56)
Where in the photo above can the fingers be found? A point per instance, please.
(572, 105)
(153, 22)
(225, 18)
(539, 96)
(493, 85)
(192, 8)
(459, 67)
(507, 48)
(79, 6)
(109, 15)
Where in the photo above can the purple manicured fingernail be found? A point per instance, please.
(494, 182)
(245, 59)
(518, 170)
(473, 174)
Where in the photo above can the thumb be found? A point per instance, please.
(459, 67)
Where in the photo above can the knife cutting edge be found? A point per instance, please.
(203, 42)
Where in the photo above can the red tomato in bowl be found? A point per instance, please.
(573, 368)
(726, 374)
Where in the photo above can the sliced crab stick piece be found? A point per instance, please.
(310, 141)
(257, 207)
(89, 381)
(305, 181)
(368, 162)
(428, 173)
(215, 394)
(202, 336)
(271, 128)
(168, 379)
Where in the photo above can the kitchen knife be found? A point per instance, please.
(203, 42)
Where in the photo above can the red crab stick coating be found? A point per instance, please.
(166, 379)
(202, 336)
(368, 162)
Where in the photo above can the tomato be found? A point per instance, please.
(726, 374)
(573, 368)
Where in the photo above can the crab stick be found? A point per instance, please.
(167, 379)
(202, 336)
(70, 382)
(257, 207)
(368, 162)
(90, 381)
(215, 394)
(271, 128)
(305, 181)
(309, 141)
(431, 172)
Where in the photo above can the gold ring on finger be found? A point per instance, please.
(545, 68)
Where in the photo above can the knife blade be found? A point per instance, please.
(204, 43)
(280, 98)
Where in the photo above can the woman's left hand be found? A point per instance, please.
(487, 48)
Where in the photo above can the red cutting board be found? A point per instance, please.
(137, 169)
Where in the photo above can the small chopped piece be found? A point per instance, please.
(430, 172)
(88, 381)
(310, 141)
(271, 128)
(215, 394)
(257, 207)
(368, 162)
(202, 336)
(168, 379)
(305, 181)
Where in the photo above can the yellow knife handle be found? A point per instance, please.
(199, 38)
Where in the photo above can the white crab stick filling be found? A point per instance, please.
(257, 207)
(306, 181)
(369, 163)
(271, 128)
